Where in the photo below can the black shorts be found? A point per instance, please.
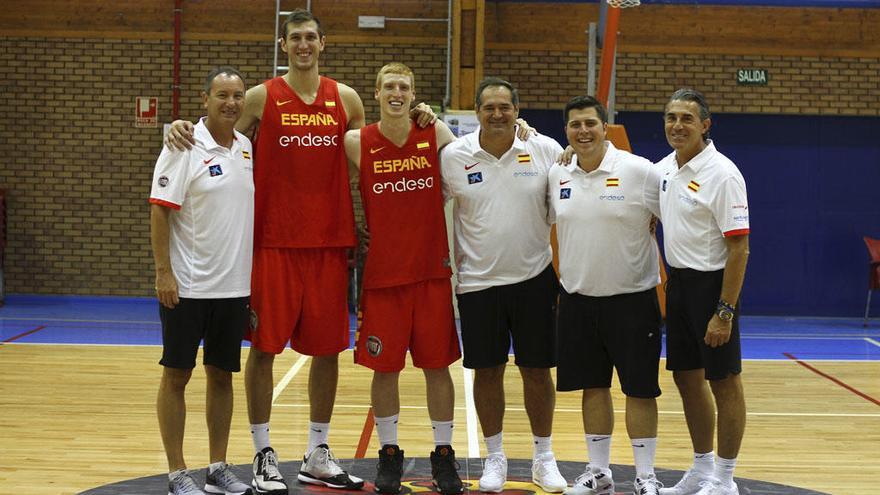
(691, 301)
(524, 312)
(221, 322)
(598, 334)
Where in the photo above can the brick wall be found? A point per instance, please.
(797, 85)
(77, 172)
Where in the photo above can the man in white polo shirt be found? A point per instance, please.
(507, 288)
(705, 217)
(603, 202)
(201, 231)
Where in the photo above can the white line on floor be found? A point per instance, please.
(869, 339)
(288, 376)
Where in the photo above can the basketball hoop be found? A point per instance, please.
(622, 4)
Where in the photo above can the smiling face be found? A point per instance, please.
(685, 129)
(395, 94)
(586, 134)
(497, 113)
(303, 44)
(225, 99)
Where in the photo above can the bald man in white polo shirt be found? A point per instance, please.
(609, 316)
(506, 288)
(705, 216)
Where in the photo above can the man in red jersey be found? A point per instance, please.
(304, 224)
(407, 294)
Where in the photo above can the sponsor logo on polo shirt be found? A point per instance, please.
(741, 218)
(565, 193)
(475, 177)
(163, 181)
(215, 170)
(612, 197)
(472, 165)
(688, 200)
(531, 173)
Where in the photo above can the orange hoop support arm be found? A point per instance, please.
(609, 48)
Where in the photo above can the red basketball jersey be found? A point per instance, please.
(302, 194)
(403, 205)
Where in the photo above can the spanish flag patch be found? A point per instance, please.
(612, 182)
(524, 158)
(329, 103)
(423, 145)
(693, 186)
(246, 155)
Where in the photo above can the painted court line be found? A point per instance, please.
(872, 341)
(23, 334)
(288, 376)
(75, 320)
(829, 377)
(471, 415)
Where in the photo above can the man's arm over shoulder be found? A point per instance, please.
(254, 102)
(354, 107)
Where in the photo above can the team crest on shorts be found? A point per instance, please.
(255, 321)
(374, 345)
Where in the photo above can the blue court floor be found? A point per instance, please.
(135, 321)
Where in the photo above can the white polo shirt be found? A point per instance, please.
(500, 216)
(602, 224)
(211, 189)
(701, 203)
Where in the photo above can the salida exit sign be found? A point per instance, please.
(752, 77)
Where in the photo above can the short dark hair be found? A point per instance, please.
(496, 81)
(225, 69)
(300, 16)
(690, 94)
(585, 101)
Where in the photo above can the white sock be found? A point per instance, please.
(494, 444)
(705, 463)
(386, 428)
(175, 474)
(599, 451)
(260, 436)
(643, 456)
(215, 466)
(543, 445)
(442, 432)
(724, 470)
(318, 433)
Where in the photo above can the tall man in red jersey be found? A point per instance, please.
(407, 294)
(304, 223)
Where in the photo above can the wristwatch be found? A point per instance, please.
(724, 310)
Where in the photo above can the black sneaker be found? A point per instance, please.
(389, 470)
(444, 471)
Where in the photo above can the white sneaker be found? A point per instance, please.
(267, 479)
(713, 487)
(597, 482)
(546, 474)
(321, 468)
(494, 474)
(689, 484)
(183, 484)
(647, 486)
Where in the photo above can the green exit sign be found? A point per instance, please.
(752, 77)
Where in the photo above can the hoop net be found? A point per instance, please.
(622, 4)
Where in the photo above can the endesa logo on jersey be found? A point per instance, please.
(308, 140)
(404, 185)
